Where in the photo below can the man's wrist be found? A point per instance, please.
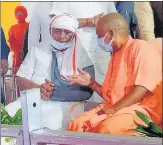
(92, 83)
(90, 22)
(115, 109)
(93, 22)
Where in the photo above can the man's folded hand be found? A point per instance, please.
(47, 89)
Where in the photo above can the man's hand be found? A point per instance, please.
(83, 78)
(97, 18)
(107, 111)
(4, 66)
(110, 111)
(133, 97)
(47, 89)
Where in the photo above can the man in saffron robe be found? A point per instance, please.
(132, 82)
(16, 36)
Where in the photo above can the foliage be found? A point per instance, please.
(7, 119)
(151, 130)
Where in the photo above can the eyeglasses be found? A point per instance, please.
(61, 31)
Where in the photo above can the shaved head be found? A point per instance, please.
(112, 21)
(113, 28)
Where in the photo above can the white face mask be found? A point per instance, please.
(105, 47)
(61, 46)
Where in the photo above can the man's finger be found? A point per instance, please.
(49, 95)
(72, 79)
(42, 90)
(47, 87)
(81, 71)
(43, 96)
(49, 82)
(46, 96)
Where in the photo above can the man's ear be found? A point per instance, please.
(112, 34)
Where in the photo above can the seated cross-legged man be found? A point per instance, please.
(47, 66)
(133, 82)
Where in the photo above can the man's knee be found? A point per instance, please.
(77, 124)
(120, 123)
(116, 125)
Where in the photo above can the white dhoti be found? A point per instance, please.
(55, 115)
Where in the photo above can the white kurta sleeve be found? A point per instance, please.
(27, 67)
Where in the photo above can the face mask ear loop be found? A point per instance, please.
(105, 36)
(112, 38)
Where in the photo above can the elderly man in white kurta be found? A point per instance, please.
(87, 13)
(47, 66)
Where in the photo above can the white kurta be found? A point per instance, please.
(37, 67)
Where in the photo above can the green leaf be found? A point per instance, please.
(7, 119)
(1, 105)
(152, 130)
(146, 133)
(17, 119)
(3, 109)
(144, 117)
(140, 130)
(3, 118)
(156, 128)
(142, 127)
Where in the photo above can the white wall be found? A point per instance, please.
(29, 6)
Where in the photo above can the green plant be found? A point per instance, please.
(7, 119)
(151, 130)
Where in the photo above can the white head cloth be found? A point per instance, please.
(64, 21)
